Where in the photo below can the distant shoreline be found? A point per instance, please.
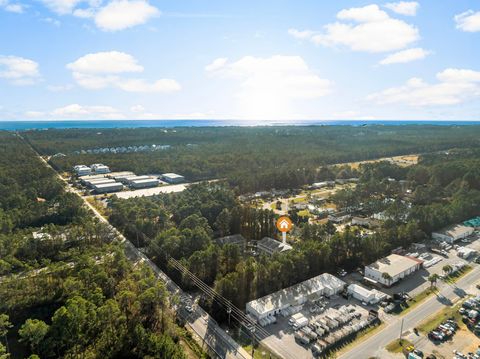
(23, 125)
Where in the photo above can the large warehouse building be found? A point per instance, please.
(82, 170)
(144, 183)
(173, 178)
(271, 305)
(396, 266)
(108, 187)
(453, 233)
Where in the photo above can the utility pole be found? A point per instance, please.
(401, 331)
(252, 331)
(229, 311)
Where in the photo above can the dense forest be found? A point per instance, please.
(250, 158)
(60, 267)
(66, 288)
(443, 189)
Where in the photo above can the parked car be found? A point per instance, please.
(418, 352)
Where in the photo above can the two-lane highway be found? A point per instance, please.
(447, 296)
(218, 341)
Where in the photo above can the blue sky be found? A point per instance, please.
(252, 60)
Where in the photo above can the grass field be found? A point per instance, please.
(407, 160)
(416, 300)
(436, 319)
(360, 337)
(452, 278)
(398, 345)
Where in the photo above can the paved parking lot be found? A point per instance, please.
(418, 281)
(463, 341)
(283, 331)
(413, 284)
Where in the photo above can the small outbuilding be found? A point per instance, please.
(369, 296)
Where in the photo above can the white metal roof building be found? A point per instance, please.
(86, 178)
(82, 170)
(97, 181)
(395, 265)
(120, 173)
(100, 168)
(172, 178)
(271, 305)
(369, 296)
(119, 176)
(453, 233)
(144, 183)
(130, 179)
(108, 187)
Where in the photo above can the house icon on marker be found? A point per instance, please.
(284, 224)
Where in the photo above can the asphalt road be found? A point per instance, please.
(199, 321)
(448, 295)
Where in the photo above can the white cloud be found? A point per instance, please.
(52, 21)
(302, 35)
(217, 64)
(137, 108)
(62, 7)
(407, 8)
(113, 15)
(79, 111)
(85, 112)
(140, 85)
(34, 114)
(369, 13)
(468, 21)
(110, 62)
(16, 8)
(269, 86)
(84, 13)
(405, 56)
(59, 88)
(18, 70)
(104, 69)
(454, 86)
(122, 14)
(11, 7)
(367, 29)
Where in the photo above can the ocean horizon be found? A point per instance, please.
(24, 125)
